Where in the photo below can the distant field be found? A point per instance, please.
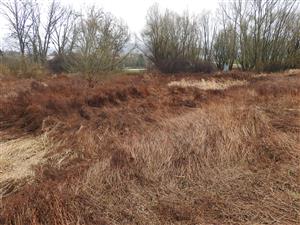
(151, 149)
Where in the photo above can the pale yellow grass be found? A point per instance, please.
(17, 158)
(208, 84)
(280, 74)
(293, 71)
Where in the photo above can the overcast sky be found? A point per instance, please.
(133, 12)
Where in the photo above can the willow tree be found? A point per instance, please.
(100, 42)
(266, 31)
(174, 42)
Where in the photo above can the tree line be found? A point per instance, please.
(88, 42)
(260, 35)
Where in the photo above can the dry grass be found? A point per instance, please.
(224, 164)
(293, 71)
(17, 158)
(143, 156)
(208, 84)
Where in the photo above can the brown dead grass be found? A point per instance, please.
(135, 151)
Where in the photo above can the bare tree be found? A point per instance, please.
(225, 51)
(263, 33)
(208, 35)
(176, 43)
(101, 39)
(65, 32)
(41, 34)
(18, 14)
(225, 41)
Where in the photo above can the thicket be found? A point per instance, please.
(177, 43)
(260, 35)
(87, 42)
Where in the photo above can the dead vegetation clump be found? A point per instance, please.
(68, 99)
(232, 159)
